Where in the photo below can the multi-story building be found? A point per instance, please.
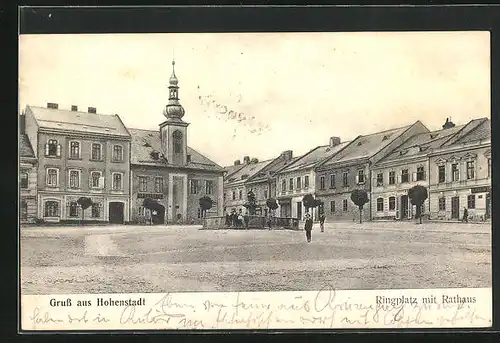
(298, 178)
(460, 174)
(403, 168)
(349, 169)
(27, 179)
(263, 183)
(164, 169)
(235, 184)
(79, 154)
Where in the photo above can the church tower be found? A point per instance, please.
(173, 131)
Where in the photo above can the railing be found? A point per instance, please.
(251, 222)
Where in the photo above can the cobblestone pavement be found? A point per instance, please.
(111, 259)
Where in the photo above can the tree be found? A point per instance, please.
(359, 197)
(85, 203)
(206, 203)
(251, 203)
(418, 195)
(308, 201)
(271, 204)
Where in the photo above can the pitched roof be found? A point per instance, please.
(475, 130)
(368, 145)
(421, 144)
(275, 166)
(25, 149)
(233, 168)
(144, 142)
(314, 156)
(246, 172)
(78, 121)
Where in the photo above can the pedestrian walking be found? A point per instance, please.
(228, 220)
(322, 222)
(465, 218)
(308, 226)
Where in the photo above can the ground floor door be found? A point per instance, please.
(299, 210)
(455, 208)
(285, 210)
(488, 205)
(116, 212)
(404, 207)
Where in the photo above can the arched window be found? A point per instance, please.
(24, 210)
(52, 148)
(24, 180)
(380, 205)
(177, 141)
(392, 203)
(73, 209)
(51, 209)
(74, 150)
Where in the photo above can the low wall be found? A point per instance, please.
(251, 222)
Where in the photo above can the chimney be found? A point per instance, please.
(237, 162)
(52, 105)
(246, 159)
(92, 110)
(334, 141)
(74, 108)
(448, 124)
(287, 155)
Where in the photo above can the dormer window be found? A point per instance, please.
(360, 143)
(52, 148)
(147, 145)
(385, 138)
(155, 155)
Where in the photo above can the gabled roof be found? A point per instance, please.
(421, 144)
(58, 119)
(367, 146)
(144, 142)
(275, 166)
(232, 169)
(475, 130)
(25, 149)
(315, 156)
(248, 170)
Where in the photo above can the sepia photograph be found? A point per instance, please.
(254, 162)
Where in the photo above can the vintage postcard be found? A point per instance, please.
(255, 181)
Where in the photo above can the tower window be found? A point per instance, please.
(177, 141)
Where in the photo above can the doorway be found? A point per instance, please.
(116, 213)
(455, 208)
(404, 207)
(299, 210)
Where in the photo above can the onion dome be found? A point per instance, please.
(173, 109)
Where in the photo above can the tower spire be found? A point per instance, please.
(174, 108)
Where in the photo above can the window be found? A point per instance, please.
(141, 211)
(332, 206)
(23, 179)
(234, 195)
(74, 179)
(361, 176)
(51, 209)
(96, 179)
(489, 167)
(74, 150)
(209, 187)
(143, 184)
(265, 194)
(117, 181)
(240, 194)
(199, 213)
(158, 185)
(299, 182)
(96, 210)
(455, 173)
(392, 203)
(345, 181)
(73, 209)
(471, 172)
(117, 153)
(441, 174)
(471, 201)
(283, 185)
(344, 205)
(332, 181)
(404, 176)
(380, 179)
(194, 186)
(177, 141)
(52, 177)
(322, 182)
(442, 204)
(24, 210)
(52, 148)
(420, 174)
(290, 184)
(392, 178)
(306, 181)
(96, 152)
(380, 205)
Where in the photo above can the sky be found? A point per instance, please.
(258, 94)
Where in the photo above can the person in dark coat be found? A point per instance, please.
(466, 216)
(322, 222)
(228, 219)
(308, 226)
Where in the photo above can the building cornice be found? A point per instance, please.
(457, 148)
(83, 135)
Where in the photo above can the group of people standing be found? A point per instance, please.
(308, 225)
(235, 219)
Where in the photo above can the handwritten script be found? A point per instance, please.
(326, 308)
